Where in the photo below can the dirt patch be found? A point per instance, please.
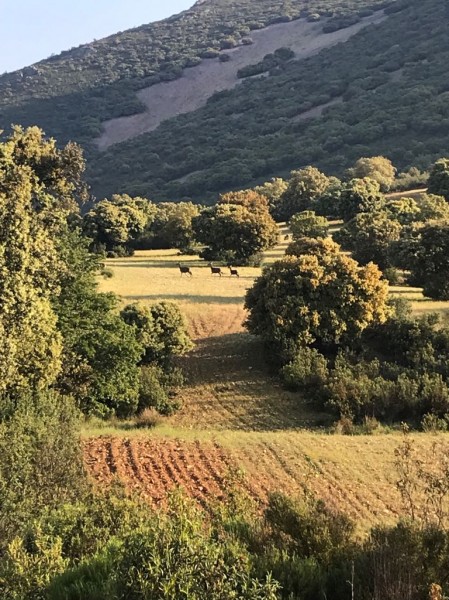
(153, 468)
(190, 92)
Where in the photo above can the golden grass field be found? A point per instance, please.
(235, 412)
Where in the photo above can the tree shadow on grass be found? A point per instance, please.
(231, 386)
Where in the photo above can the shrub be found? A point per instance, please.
(308, 371)
(154, 392)
(148, 418)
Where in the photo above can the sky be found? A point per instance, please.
(31, 30)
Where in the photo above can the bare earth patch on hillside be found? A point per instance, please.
(191, 91)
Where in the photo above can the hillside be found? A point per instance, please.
(373, 83)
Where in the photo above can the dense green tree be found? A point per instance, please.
(369, 237)
(304, 188)
(100, 351)
(237, 228)
(315, 246)
(308, 224)
(118, 221)
(160, 329)
(360, 195)
(325, 299)
(379, 168)
(41, 463)
(191, 562)
(172, 226)
(403, 210)
(429, 260)
(328, 204)
(439, 178)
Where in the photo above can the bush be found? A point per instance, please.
(308, 372)
(155, 390)
(148, 418)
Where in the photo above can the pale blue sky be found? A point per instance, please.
(31, 30)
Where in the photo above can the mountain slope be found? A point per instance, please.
(382, 91)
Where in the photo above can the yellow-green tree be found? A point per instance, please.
(304, 189)
(324, 298)
(29, 219)
(379, 168)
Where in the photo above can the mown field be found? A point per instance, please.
(235, 414)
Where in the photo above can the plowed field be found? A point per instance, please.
(352, 474)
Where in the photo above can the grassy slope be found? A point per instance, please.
(236, 414)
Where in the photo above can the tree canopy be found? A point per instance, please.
(117, 222)
(379, 168)
(237, 228)
(304, 188)
(360, 195)
(322, 298)
(439, 178)
(308, 224)
(369, 237)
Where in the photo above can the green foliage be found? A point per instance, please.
(171, 227)
(433, 208)
(160, 329)
(439, 178)
(307, 372)
(410, 179)
(177, 557)
(118, 222)
(304, 188)
(308, 528)
(369, 237)
(272, 190)
(320, 247)
(269, 62)
(237, 228)
(430, 260)
(40, 463)
(315, 298)
(379, 168)
(101, 352)
(26, 572)
(360, 195)
(403, 558)
(308, 224)
(39, 189)
(406, 210)
(157, 389)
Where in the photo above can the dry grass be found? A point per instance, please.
(235, 413)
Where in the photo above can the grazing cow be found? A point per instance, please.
(185, 270)
(233, 271)
(215, 270)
